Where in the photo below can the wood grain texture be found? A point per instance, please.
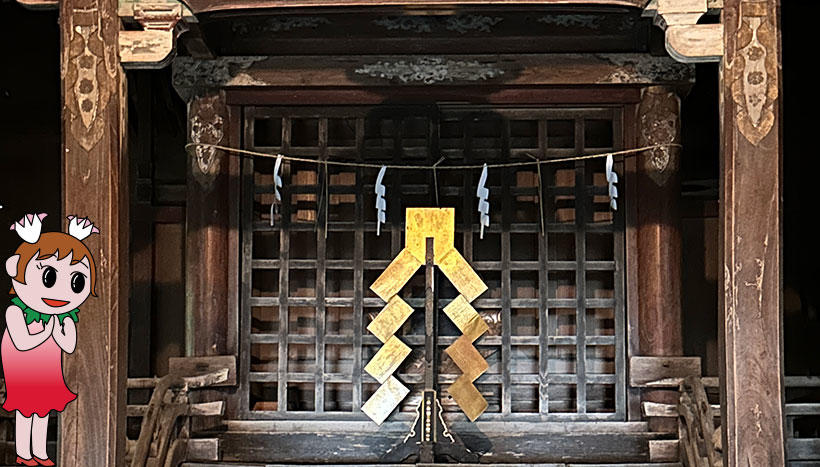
(192, 366)
(499, 447)
(200, 6)
(750, 327)
(95, 184)
(645, 370)
(207, 229)
(659, 237)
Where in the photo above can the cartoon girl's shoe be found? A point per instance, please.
(29, 462)
(47, 462)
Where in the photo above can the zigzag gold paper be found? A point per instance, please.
(390, 319)
(424, 223)
(462, 276)
(387, 359)
(468, 397)
(385, 399)
(400, 270)
(466, 356)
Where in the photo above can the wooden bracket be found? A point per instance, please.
(154, 46)
(686, 40)
(40, 4)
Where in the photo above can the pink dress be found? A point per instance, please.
(34, 378)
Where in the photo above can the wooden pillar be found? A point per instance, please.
(92, 428)
(659, 235)
(750, 210)
(208, 222)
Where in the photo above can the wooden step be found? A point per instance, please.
(231, 464)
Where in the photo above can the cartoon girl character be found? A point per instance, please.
(51, 275)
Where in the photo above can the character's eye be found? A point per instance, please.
(49, 276)
(77, 282)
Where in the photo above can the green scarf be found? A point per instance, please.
(34, 315)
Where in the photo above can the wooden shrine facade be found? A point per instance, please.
(577, 291)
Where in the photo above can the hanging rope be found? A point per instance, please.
(436, 166)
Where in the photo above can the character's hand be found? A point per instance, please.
(49, 327)
(65, 335)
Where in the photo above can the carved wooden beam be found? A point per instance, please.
(154, 46)
(686, 40)
(370, 71)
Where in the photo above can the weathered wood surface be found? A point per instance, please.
(659, 235)
(153, 47)
(659, 232)
(208, 275)
(380, 70)
(654, 409)
(696, 426)
(39, 4)
(643, 371)
(200, 6)
(539, 464)
(663, 450)
(685, 39)
(376, 95)
(192, 366)
(95, 185)
(697, 43)
(751, 159)
(498, 448)
(160, 435)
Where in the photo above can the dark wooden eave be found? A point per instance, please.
(207, 6)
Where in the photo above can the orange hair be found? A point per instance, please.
(54, 244)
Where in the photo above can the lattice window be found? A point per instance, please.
(555, 302)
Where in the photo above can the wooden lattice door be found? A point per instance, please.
(553, 259)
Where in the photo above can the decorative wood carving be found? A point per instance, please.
(659, 119)
(418, 24)
(208, 221)
(89, 64)
(207, 127)
(576, 21)
(279, 24)
(751, 237)
(191, 74)
(467, 23)
(424, 24)
(429, 70)
(754, 70)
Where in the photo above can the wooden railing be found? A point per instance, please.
(803, 447)
(699, 438)
(165, 434)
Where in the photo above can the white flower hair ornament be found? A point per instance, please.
(29, 227)
(80, 227)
